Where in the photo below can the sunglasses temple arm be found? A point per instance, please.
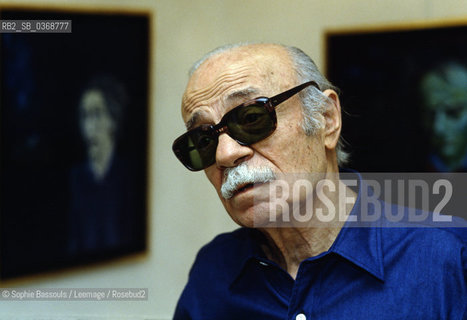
(289, 93)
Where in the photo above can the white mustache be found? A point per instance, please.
(242, 175)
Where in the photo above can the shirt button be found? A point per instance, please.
(300, 316)
(263, 263)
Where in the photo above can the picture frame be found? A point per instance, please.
(389, 77)
(74, 133)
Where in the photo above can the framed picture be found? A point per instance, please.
(74, 136)
(404, 96)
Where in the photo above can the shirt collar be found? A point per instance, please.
(248, 247)
(361, 245)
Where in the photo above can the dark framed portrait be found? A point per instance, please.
(74, 136)
(404, 96)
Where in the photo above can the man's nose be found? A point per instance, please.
(230, 153)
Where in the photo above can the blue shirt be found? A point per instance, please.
(379, 272)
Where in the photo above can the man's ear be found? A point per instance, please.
(332, 119)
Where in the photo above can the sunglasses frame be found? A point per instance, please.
(216, 130)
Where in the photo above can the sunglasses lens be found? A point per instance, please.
(251, 124)
(196, 149)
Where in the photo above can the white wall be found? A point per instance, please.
(184, 210)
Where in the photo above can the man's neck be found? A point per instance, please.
(289, 246)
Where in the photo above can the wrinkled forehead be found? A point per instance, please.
(263, 67)
(265, 59)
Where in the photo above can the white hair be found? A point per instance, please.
(242, 175)
(313, 101)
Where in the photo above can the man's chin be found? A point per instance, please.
(256, 216)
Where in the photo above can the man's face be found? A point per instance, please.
(446, 97)
(229, 79)
(97, 125)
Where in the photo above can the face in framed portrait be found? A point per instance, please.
(68, 149)
(444, 95)
(403, 95)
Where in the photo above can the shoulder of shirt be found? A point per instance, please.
(446, 240)
(232, 241)
(456, 227)
(227, 251)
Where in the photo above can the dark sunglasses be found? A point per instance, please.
(247, 123)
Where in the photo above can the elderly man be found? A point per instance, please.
(257, 114)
